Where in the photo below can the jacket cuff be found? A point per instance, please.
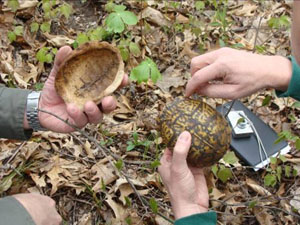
(13, 104)
(294, 85)
(13, 212)
(208, 218)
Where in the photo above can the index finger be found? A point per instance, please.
(201, 61)
(202, 77)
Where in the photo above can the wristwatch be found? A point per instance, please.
(32, 110)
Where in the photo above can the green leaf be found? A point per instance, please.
(270, 180)
(114, 23)
(45, 27)
(119, 8)
(18, 30)
(66, 10)
(266, 100)
(287, 170)
(215, 169)
(127, 201)
(124, 53)
(224, 174)
(103, 185)
(141, 73)
(109, 7)
(153, 205)
(82, 38)
(41, 54)
(199, 5)
(215, 24)
(135, 137)
(222, 43)
(46, 7)
(128, 219)
(34, 27)
(155, 164)
(119, 164)
(297, 143)
(252, 204)
(238, 46)
(273, 160)
(13, 4)
(134, 49)
(11, 36)
(38, 86)
(130, 147)
(282, 158)
(230, 158)
(49, 58)
(296, 105)
(128, 17)
(279, 172)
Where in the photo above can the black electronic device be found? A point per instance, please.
(252, 139)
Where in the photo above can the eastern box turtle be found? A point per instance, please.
(211, 134)
(90, 72)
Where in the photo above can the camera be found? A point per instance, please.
(241, 127)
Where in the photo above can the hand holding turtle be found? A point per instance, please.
(240, 73)
(50, 101)
(186, 185)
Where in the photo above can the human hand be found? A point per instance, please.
(186, 185)
(41, 208)
(50, 101)
(239, 73)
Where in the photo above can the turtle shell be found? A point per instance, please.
(211, 134)
(90, 72)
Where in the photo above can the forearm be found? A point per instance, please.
(12, 109)
(296, 30)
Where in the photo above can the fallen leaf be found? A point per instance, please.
(154, 16)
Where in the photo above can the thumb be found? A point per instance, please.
(181, 150)
(61, 55)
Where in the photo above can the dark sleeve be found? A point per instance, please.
(294, 85)
(12, 107)
(12, 212)
(208, 218)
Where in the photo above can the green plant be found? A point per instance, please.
(119, 18)
(12, 35)
(46, 54)
(137, 143)
(128, 47)
(13, 4)
(146, 70)
(281, 22)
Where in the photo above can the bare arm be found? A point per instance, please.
(296, 30)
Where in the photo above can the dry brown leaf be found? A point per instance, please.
(86, 219)
(154, 16)
(263, 217)
(88, 148)
(58, 40)
(119, 211)
(171, 77)
(215, 194)
(104, 173)
(295, 202)
(38, 180)
(247, 9)
(257, 188)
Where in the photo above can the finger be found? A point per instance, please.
(201, 61)
(202, 76)
(181, 150)
(108, 104)
(166, 159)
(93, 112)
(79, 118)
(125, 80)
(62, 53)
(228, 91)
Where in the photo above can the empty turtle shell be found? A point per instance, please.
(90, 72)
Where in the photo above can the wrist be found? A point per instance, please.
(184, 210)
(279, 72)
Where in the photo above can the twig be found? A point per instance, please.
(104, 150)
(15, 153)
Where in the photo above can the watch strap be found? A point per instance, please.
(32, 110)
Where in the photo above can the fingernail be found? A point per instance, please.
(184, 136)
